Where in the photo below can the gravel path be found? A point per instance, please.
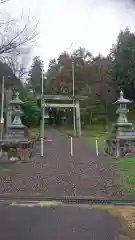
(59, 174)
(68, 223)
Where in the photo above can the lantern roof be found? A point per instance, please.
(123, 100)
(16, 100)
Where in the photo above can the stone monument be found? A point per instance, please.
(16, 129)
(122, 139)
(15, 145)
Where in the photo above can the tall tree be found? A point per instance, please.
(18, 62)
(11, 80)
(59, 73)
(35, 74)
(31, 111)
(122, 70)
(91, 74)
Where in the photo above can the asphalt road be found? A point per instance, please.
(59, 222)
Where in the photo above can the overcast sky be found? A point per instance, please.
(93, 24)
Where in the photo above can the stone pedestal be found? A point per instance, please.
(17, 132)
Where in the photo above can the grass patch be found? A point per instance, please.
(127, 172)
(66, 130)
(100, 140)
(126, 215)
(34, 133)
(90, 133)
(96, 132)
(4, 170)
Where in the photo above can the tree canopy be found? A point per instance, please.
(35, 75)
(99, 77)
(123, 62)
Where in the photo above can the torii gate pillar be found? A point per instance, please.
(78, 118)
(8, 111)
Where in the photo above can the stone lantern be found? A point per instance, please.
(16, 110)
(16, 129)
(121, 141)
(15, 145)
(122, 110)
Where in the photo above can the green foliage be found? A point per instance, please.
(11, 80)
(31, 110)
(35, 75)
(127, 171)
(123, 62)
(100, 78)
(34, 133)
(91, 75)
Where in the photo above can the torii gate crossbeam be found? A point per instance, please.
(74, 104)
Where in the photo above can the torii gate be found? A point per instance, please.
(53, 101)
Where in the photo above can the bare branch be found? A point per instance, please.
(3, 1)
(16, 41)
(13, 36)
(18, 38)
(17, 62)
